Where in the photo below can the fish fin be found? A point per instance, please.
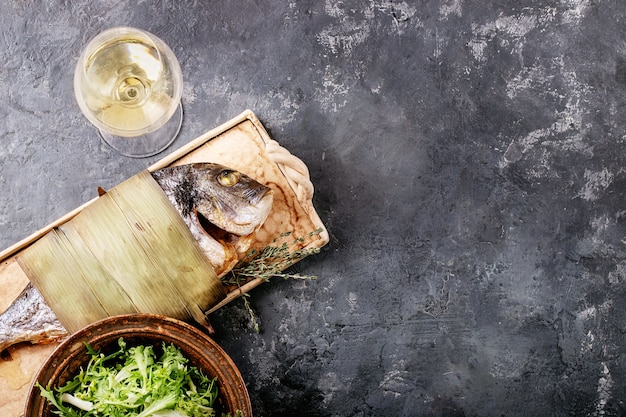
(29, 319)
(243, 244)
(222, 255)
(231, 259)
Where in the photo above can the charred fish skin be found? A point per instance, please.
(29, 319)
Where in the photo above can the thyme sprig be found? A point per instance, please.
(272, 261)
(254, 319)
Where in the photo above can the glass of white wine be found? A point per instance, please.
(128, 83)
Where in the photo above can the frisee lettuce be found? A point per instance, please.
(133, 382)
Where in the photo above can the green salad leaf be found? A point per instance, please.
(133, 382)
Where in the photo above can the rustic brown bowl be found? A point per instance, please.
(141, 329)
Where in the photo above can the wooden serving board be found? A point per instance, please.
(243, 144)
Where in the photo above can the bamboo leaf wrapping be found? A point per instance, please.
(129, 251)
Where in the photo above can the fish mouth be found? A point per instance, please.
(232, 223)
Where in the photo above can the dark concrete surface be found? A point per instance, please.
(468, 158)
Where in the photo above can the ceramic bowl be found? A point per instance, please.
(141, 329)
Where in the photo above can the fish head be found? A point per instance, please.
(229, 199)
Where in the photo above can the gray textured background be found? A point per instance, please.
(468, 158)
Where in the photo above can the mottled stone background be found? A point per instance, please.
(468, 159)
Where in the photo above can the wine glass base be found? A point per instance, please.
(148, 144)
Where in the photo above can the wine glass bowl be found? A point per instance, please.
(128, 83)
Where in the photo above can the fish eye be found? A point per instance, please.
(228, 178)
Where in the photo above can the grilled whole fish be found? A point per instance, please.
(223, 208)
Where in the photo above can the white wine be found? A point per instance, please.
(127, 83)
(125, 89)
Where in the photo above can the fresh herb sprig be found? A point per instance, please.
(273, 261)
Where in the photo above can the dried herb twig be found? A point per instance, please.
(271, 261)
